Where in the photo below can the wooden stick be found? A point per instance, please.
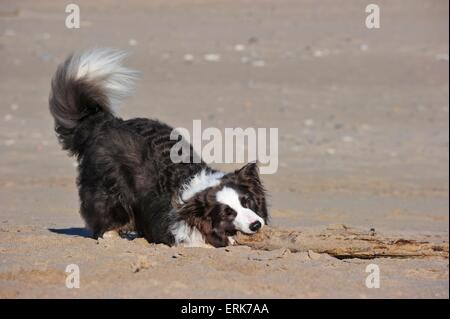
(343, 242)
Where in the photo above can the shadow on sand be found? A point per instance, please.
(72, 231)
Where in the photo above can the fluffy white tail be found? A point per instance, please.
(87, 84)
(103, 67)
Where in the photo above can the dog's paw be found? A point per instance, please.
(231, 241)
(111, 234)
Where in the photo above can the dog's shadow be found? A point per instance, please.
(72, 231)
(85, 233)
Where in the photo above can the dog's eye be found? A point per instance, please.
(244, 201)
(229, 212)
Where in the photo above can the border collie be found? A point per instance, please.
(126, 178)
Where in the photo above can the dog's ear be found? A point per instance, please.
(248, 171)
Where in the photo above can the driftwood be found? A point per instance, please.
(343, 242)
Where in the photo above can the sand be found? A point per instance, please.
(364, 141)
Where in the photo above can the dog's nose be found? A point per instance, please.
(255, 226)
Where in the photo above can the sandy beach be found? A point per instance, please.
(363, 119)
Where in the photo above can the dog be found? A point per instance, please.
(127, 181)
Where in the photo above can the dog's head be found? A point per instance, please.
(236, 203)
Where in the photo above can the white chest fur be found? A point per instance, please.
(186, 235)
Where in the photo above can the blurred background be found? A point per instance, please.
(362, 113)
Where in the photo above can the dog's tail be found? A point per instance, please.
(86, 89)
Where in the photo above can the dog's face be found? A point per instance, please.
(238, 203)
(242, 197)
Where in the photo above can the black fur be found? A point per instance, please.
(127, 180)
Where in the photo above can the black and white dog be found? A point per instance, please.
(127, 180)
